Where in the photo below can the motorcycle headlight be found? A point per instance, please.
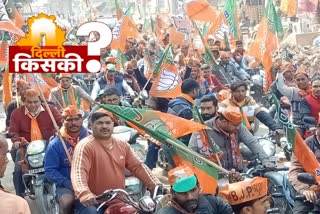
(36, 160)
(36, 147)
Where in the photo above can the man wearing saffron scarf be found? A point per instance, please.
(67, 94)
(228, 131)
(28, 123)
(296, 95)
(310, 105)
(182, 106)
(248, 107)
(56, 164)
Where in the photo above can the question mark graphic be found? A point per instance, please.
(94, 48)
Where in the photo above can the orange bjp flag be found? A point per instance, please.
(7, 87)
(6, 23)
(167, 81)
(200, 10)
(123, 29)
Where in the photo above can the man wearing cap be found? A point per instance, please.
(228, 72)
(248, 197)
(28, 123)
(228, 131)
(313, 143)
(10, 203)
(248, 107)
(310, 105)
(295, 95)
(99, 164)
(67, 94)
(182, 106)
(56, 164)
(186, 197)
(111, 79)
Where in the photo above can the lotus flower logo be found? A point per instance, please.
(168, 81)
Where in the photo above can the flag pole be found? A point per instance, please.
(187, 150)
(277, 40)
(52, 119)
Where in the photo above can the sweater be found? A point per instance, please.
(20, 123)
(56, 164)
(96, 168)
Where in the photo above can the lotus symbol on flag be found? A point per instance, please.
(168, 81)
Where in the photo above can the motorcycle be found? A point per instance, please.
(125, 204)
(269, 143)
(310, 179)
(133, 185)
(38, 188)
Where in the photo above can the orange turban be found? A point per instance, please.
(232, 114)
(71, 110)
(65, 75)
(32, 93)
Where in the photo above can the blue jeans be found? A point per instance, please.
(152, 155)
(81, 209)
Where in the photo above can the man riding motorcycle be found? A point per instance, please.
(67, 94)
(186, 197)
(248, 107)
(28, 123)
(56, 164)
(228, 131)
(99, 163)
(313, 143)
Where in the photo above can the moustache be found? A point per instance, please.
(190, 205)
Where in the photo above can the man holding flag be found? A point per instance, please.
(313, 143)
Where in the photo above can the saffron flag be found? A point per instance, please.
(33, 79)
(302, 152)
(6, 23)
(123, 29)
(289, 7)
(14, 15)
(166, 123)
(7, 87)
(226, 23)
(4, 49)
(165, 128)
(167, 81)
(200, 10)
(269, 31)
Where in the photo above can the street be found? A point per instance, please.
(8, 183)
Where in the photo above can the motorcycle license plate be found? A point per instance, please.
(34, 171)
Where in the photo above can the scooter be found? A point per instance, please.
(38, 188)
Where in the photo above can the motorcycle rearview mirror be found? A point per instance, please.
(147, 204)
(144, 95)
(307, 178)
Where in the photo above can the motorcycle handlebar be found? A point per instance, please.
(300, 197)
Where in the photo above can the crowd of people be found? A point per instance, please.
(99, 160)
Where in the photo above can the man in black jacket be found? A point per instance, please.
(186, 197)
